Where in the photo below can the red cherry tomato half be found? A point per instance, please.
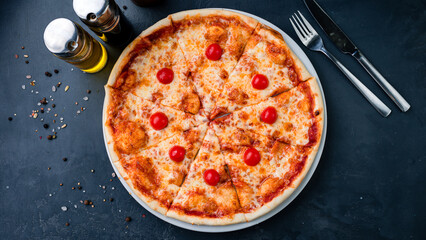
(269, 115)
(165, 75)
(251, 157)
(158, 120)
(211, 177)
(177, 153)
(214, 52)
(260, 81)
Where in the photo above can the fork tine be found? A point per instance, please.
(308, 25)
(300, 27)
(302, 38)
(303, 25)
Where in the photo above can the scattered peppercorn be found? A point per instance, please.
(48, 168)
(53, 105)
(16, 56)
(64, 159)
(46, 125)
(56, 71)
(49, 137)
(59, 84)
(48, 74)
(61, 184)
(80, 187)
(10, 118)
(143, 215)
(22, 47)
(42, 110)
(86, 202)
(88, 91)
(43, 101)
(111, 199)
(125, 7)
(67, 224)
(128, 219)
(27, 62)
(73, 188)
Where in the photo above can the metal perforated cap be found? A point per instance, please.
(61, 37)
(95, 13)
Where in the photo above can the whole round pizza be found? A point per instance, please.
(210, 118)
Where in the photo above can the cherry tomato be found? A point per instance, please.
(251, 157)
(165, 75)
(211, 177)
(177, 153)
(260, 81)
(269, 115)
(214, 52)
(158, 120)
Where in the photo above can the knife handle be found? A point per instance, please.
(385, 85)
(373, 99)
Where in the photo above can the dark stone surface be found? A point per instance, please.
(369, 183)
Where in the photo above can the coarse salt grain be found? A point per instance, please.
(86, 98)
(23, 87)
(53, 89)
(64, 208)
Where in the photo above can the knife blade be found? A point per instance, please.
(344, 44)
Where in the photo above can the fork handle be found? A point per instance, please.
(385, 85)
(373, 99)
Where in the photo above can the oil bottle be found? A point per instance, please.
(71, 43)
(104, 18)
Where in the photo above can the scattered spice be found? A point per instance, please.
(53, 89)
(143, 215)
(128, 219)
(67, 224)
(16, 56)
(86, 202)
(46, 125)
(73, 188)
(27, 62)
(59, 84)
(22, 47)
(10, 118)
(56, 71)
(25, 56)
(64, 126)
(92, 170)
(64, 159)
(48, 74)
(28, 76)
(42, 110)
(64, 208)
(43, 101)
(48, 168)
(88, 91)
(86, 98)
(111, 199)
(66, 88)
(80, 187)
(61, 184)
(53, 105)
(124, 7)
(49, 137)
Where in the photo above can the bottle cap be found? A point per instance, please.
(62, 37)
(99, 15)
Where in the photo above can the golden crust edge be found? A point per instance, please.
(179, 16)
(107, 129)
(236, 218)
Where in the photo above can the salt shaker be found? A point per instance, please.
(71, 43)
(104, 18)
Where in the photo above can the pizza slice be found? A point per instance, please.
(154, 68)
(266, 68)
(207, 196)
(133, 123)
(264, 172)
(293, 117)
(212, 42)
(156, 174)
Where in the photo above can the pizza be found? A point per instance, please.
(210, 118)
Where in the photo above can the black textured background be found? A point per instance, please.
(370, 183)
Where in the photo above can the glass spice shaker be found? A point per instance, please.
(104, 18)
(71, 43)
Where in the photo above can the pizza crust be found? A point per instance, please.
(179, 16)
(108, 131)
(236, 218)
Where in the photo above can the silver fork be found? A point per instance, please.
(313, 41)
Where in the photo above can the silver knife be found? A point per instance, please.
(339, 38)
